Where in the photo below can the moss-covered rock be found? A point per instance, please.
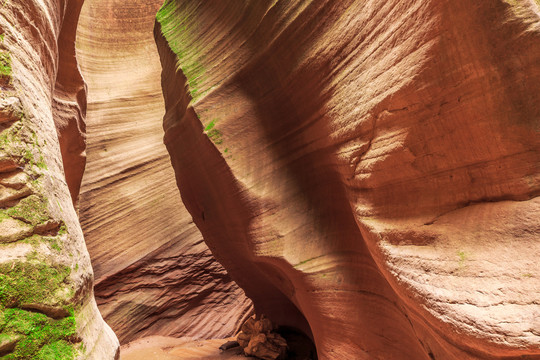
(28, 282)
(32, 210)
(5, 64)
(40, 337)
(179, 27)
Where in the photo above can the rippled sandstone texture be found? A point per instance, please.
(366, 171)
(47, 307)
(154, 274)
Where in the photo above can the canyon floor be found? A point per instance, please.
(169, 348)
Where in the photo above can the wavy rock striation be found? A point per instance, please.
(154, 274)
(366, 171)
(47, 307)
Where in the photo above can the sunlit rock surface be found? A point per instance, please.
(366, 171)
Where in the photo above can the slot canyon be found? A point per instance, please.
(361, 177)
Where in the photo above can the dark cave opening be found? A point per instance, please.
(300, 346)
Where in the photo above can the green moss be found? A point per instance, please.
(41, 163)
(215, 136)
(32, 210)
(28, 156)
(54, 243)
(42, 337)
(25, 282)
(3, 214)
(179, 27)
(304, 262)
(18, 139)
(62, 230)
(11, 135)
(5, 64)
(33, 240)
(210, 125)
(59, 350)
(462, 258)
(213, 133)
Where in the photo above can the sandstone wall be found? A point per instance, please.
(47, 307)
(154, 274)
(366, 171)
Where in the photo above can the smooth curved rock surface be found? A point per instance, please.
(154, 274)
(46, 299)
(366, 171)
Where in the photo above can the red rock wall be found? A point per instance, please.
(366, 171)
(154, 274)
(69, 102)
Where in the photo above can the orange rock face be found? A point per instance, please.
(366, 171)
(154, 274)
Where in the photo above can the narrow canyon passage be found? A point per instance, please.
(153, 273)
(363, 173)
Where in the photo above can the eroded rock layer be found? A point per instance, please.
(47, 307)
(154, 274)
(366, 171)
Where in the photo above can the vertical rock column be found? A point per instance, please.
(46, 280)
(154, 273)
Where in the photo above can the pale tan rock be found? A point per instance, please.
(12, 230)
(8, 195)
(10, 109)
(250, 326)
(15, 180)
(39, 37)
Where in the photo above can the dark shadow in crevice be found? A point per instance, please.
(300, 346)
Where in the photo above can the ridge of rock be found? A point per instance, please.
(367, 172)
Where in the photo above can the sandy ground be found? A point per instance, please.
(166, 348)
